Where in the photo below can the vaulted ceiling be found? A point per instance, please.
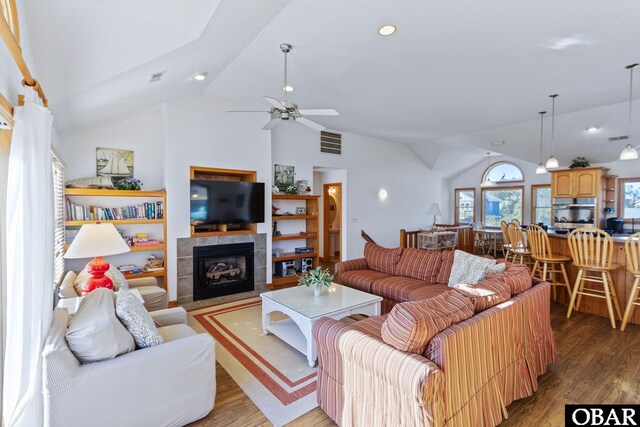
(455, 75)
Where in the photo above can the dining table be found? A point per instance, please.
(495, 234)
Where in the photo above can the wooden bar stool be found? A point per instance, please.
(546, 263)
(592, 252)
(632, 250)
(506, 243)
(519, 248)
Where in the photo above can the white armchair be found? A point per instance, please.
(171, 384)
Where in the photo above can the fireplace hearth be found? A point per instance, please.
(222, 270)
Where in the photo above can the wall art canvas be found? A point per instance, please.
(283, 176)
(117, 164)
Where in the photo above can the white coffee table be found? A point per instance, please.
(303, 309)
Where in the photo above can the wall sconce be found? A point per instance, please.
(382, 194)
(332, 190)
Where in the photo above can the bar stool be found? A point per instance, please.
(519, 248)
(592, 252)
(546, 263)
(506, 243)
(632, 250)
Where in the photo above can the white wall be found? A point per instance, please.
(371, 164)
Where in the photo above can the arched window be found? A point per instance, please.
(503, 172)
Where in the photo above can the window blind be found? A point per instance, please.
(58, 197)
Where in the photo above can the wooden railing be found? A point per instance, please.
(409, 239)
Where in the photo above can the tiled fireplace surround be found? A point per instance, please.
(185, 261)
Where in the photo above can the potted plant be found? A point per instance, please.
(131, 184)
(317, 278)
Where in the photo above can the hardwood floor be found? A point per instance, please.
(597, 365)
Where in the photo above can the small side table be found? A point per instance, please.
(437, 240)
(72, 304)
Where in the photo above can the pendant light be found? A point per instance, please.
(541, 168)
(487, 182)
(630, 152)
(552, 163)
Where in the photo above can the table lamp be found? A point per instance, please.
(435, 211)
(97, 240)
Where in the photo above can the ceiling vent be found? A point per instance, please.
(156, 76)
(330, 143)
(619, 138)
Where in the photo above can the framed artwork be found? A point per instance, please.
(283, 176)
(117, 164)
(301, 211)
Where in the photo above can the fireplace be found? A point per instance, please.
(222, 270)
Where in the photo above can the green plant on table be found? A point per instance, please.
(317, 277)
(129, 184)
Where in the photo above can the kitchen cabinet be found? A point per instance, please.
(561, 184)
(576, 183)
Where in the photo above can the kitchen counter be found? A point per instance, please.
(617, 238)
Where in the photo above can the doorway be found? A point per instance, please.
(332, 221)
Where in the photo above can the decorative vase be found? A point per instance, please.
(317, 290)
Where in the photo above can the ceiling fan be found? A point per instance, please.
(287, 110)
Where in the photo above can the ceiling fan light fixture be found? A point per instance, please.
(387, 30)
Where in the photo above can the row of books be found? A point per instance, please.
(154, 263)
(141, 239)
(94, 213)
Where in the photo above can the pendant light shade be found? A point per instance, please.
(487, 182)
(541, 169)
(630, 152)
(552, 163)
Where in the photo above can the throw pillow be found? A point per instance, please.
(419, 264)
(500, 267)
(468, 269)
(411, 325)
(137, 320)
(445, 268)
(113, 273)
(486, 294)
(518, 278)
(382, 259)
(66, 289)
(94, 332)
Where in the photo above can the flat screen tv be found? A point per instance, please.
(226, 202)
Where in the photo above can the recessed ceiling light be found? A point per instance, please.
(200, 76)
(288, 88)
(387, 30)
(593, 129)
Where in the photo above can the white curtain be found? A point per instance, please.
(29, 293)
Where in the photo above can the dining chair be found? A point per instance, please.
(592, 252)
(481, 240)
(632, 252)
(519, 248)
(506, 243)
(547, 264)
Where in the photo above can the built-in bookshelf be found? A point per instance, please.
(144, 210)
(307, 236)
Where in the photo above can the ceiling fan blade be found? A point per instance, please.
(274, 102)
(273, 123)
(247, 111)
(319, 112)
(310, 123)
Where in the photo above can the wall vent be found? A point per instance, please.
(156, 76)
(330, 143)
(619, 138)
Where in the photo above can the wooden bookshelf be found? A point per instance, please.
(77, 193)
(312, 226)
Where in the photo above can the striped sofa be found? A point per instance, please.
(466, 376)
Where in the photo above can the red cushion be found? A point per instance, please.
(485, 294)
(419, 264)
(382, 259)
(396, 288)
(411, 325)
(361, 279)
(517, 277)
(445, 268)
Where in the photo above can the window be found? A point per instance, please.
(503, 172)
(58, 203)
(629, 199)
(465, 205)
(502, 204)
(541, 204)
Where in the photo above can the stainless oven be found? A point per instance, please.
(574, 213)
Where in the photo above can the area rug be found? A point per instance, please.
(275, 376)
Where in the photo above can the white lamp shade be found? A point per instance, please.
(434, 210)
(629, 153)
(97, 240)
(541, 169)
(552, 163)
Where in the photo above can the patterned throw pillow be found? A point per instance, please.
(445, 268)
(419, 264)
(137, 320)
(113, 273)
(411, 325)
(486, 294)
(468, 269)
(382, 259)
(518, 278)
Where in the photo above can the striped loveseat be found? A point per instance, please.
(465, 375)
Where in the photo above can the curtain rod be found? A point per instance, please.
(16, 53)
